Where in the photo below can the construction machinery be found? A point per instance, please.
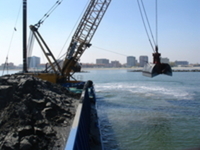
(156, 68)
(79, 43)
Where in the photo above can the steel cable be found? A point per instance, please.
(145, 24)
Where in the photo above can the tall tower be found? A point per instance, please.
(143, 60)
(131, 61)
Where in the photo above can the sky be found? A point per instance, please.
(121, 32)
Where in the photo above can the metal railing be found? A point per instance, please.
(79, 137)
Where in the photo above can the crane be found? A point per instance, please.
(80, 42)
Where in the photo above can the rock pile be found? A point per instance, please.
(34, 114)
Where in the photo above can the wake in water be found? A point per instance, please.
(149, 114)
(148, 90)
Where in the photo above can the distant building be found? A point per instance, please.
(196, 65)
(42, 66)
(143, 60)
(9, 65)
(88, 65)
(33, 62)
(115, 64)
(20, 65)
(102, 61)
(131, 61)
(181, 63)
(164, 60)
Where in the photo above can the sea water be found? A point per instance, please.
(141, 113)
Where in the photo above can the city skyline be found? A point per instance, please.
(34, 61)
(116, 37)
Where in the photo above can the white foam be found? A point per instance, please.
(148, 90)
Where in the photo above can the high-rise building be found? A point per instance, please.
(181, 63)
(164, 60)
(33, 62)
(143, 60)
(115, 63)
(131, 61)
(102, 61)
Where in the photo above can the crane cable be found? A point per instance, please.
(155, 42)
(143, 7)
(30, 45)
(61, 57)
(15, 29)
(49, 12)
(37, 25)
(109, 51)
(156, 16)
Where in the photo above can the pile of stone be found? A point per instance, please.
(34, 114)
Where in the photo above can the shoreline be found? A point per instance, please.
(139, 69)
(133, 69)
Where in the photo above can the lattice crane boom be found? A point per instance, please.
(79, 43)
(84, 33)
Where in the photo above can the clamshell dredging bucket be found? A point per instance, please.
(152, 70)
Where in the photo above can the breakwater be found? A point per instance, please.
(173, 70)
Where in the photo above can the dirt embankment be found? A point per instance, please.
(34, 114)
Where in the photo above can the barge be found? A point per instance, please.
(85, 132)
(36, 114)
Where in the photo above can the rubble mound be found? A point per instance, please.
(34, 114)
